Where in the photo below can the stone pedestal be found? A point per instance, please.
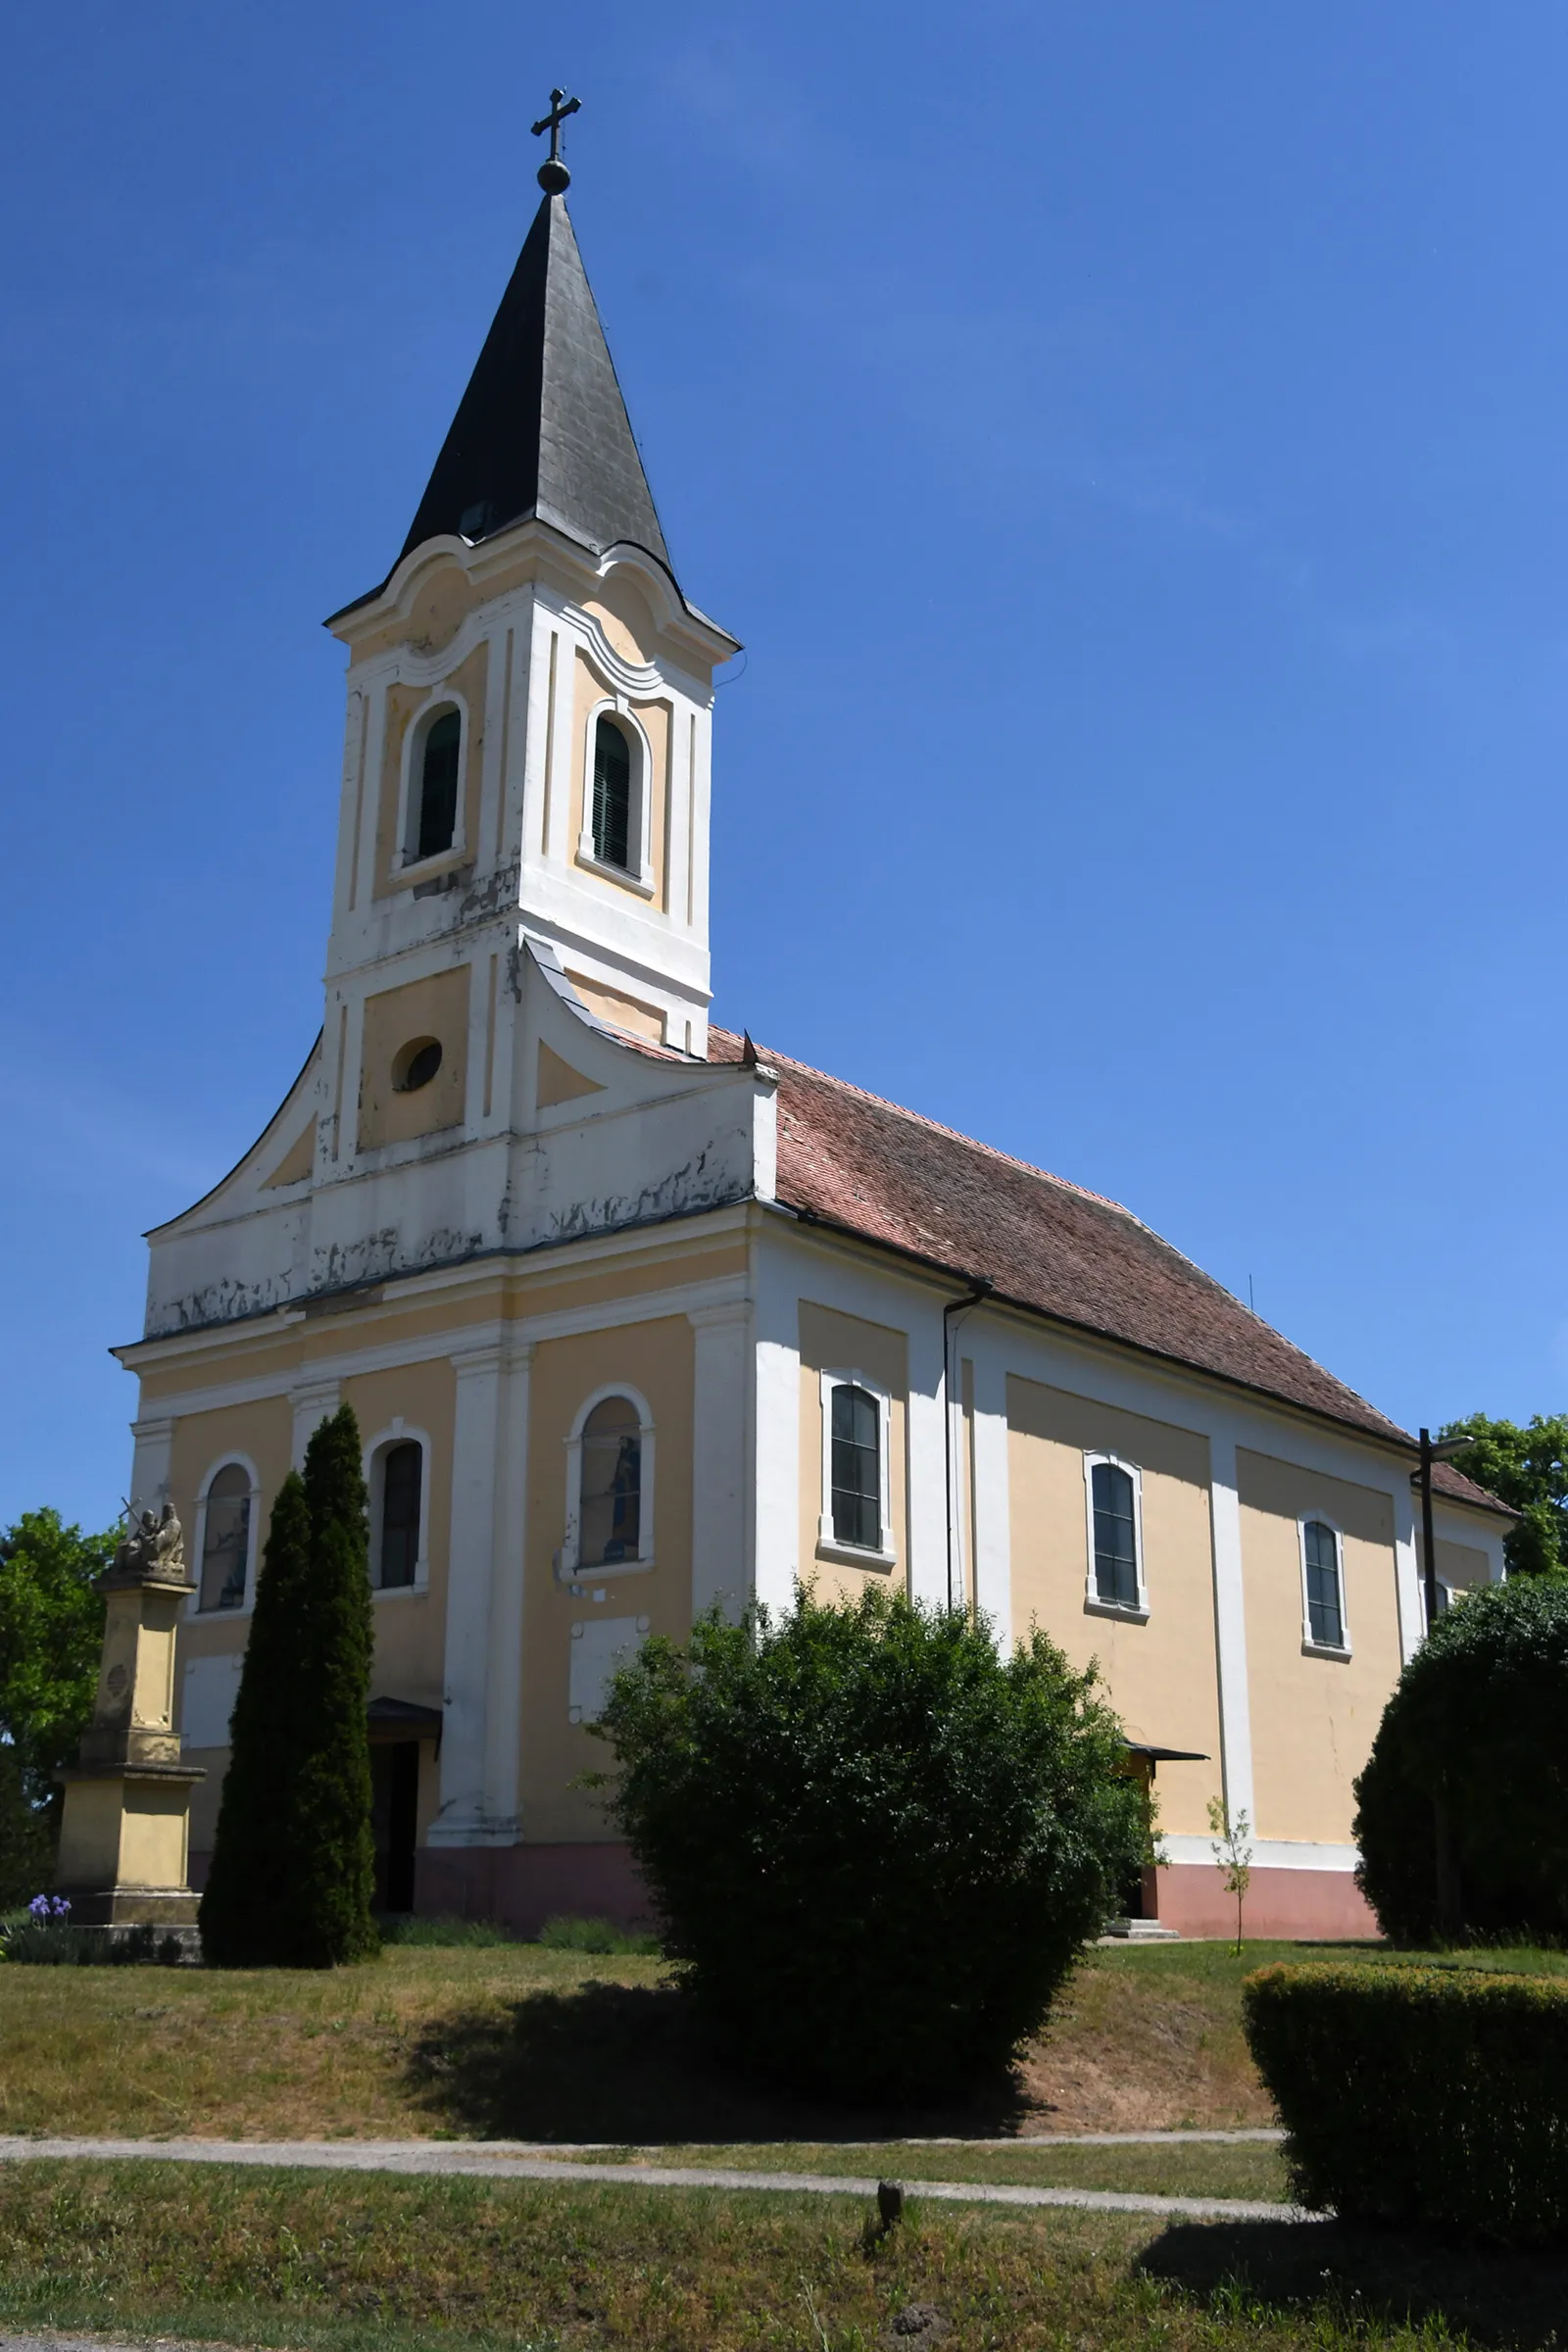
(125, 1833)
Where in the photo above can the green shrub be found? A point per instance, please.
(1462, 1816)
(293, 1863)
(880, 1845)
(562, 1934)
(1428, 2098)
(444, 1935)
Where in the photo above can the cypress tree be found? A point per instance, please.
(293, 1866)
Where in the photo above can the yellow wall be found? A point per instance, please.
(1161, 1676)
(831, 1342)
(658, 1360)
(438, 1007)
(1313, 1717)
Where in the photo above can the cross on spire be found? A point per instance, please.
(554, 177)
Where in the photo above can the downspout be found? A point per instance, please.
(980, 1288)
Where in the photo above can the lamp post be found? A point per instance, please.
(1443, 1450)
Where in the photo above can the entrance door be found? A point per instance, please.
(394, 1817)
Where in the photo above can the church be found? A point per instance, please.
(638, 1317)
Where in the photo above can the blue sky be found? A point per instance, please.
(1130, 444)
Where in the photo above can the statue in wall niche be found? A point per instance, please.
(151, 1547)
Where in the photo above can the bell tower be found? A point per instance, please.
(527, 745)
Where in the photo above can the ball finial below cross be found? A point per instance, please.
(554, 177)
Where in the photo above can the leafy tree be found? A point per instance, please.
(51, 1635)
(293, 1865)
(880, 1845)
(27, 1849)
(1527, 1467)
(1462, 1809)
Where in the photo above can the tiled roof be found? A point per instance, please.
(871, 1168)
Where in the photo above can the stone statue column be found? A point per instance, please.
(124, 1840)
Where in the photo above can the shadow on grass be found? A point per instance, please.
(630, 2063)
(1365, 2277)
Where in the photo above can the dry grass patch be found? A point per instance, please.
(517, 2042)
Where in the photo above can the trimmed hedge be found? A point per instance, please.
(1427, 2099)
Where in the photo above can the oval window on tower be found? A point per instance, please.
(416, 1064)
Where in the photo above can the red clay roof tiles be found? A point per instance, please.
(890, 1176)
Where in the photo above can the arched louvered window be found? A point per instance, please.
(226, 1538)
(1325, 1591)
(438, 785)
(612, 795)
(610, 1504)
(857, 1467)
(1115, 1517)
(402, 1484)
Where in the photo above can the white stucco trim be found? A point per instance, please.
(1312, 1648)
(1135, 1612)
(235, 1459)
(829, 1545)
(569, 1563)
(1268, 1853)
(398, 1432)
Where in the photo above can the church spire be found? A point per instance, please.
(542, 428)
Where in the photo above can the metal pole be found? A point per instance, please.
(1429, 1545)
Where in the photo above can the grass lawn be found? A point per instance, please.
(518, 2042)
(351, 2262)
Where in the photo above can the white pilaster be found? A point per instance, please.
(719, 1397)
(926, 1458)
(149, 1466)
(471, 1583)
(1230, 1628)
(503, 1687)
(311, 1402)
(992, 1510)
(775, 1523)
(1407, 1572)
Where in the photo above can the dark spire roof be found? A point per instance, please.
(542, 428)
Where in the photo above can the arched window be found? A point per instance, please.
(438, 785)
(226, 1538)
(612, 795)
(611, 1505)
(1325, 1595)
(402, 1483)
(1116, 1516)
(857, 1467)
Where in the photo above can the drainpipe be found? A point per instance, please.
(980, 1288)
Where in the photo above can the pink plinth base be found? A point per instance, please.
(524, 1886)
(1305, 1906)
(519, 1885)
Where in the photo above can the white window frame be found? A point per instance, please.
(436, 704)
(1314, 1649)
(1130, 1612)
(829, 1545)
(398, 1432)
(569, 1563)
(639, 874)
(232, 1460)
